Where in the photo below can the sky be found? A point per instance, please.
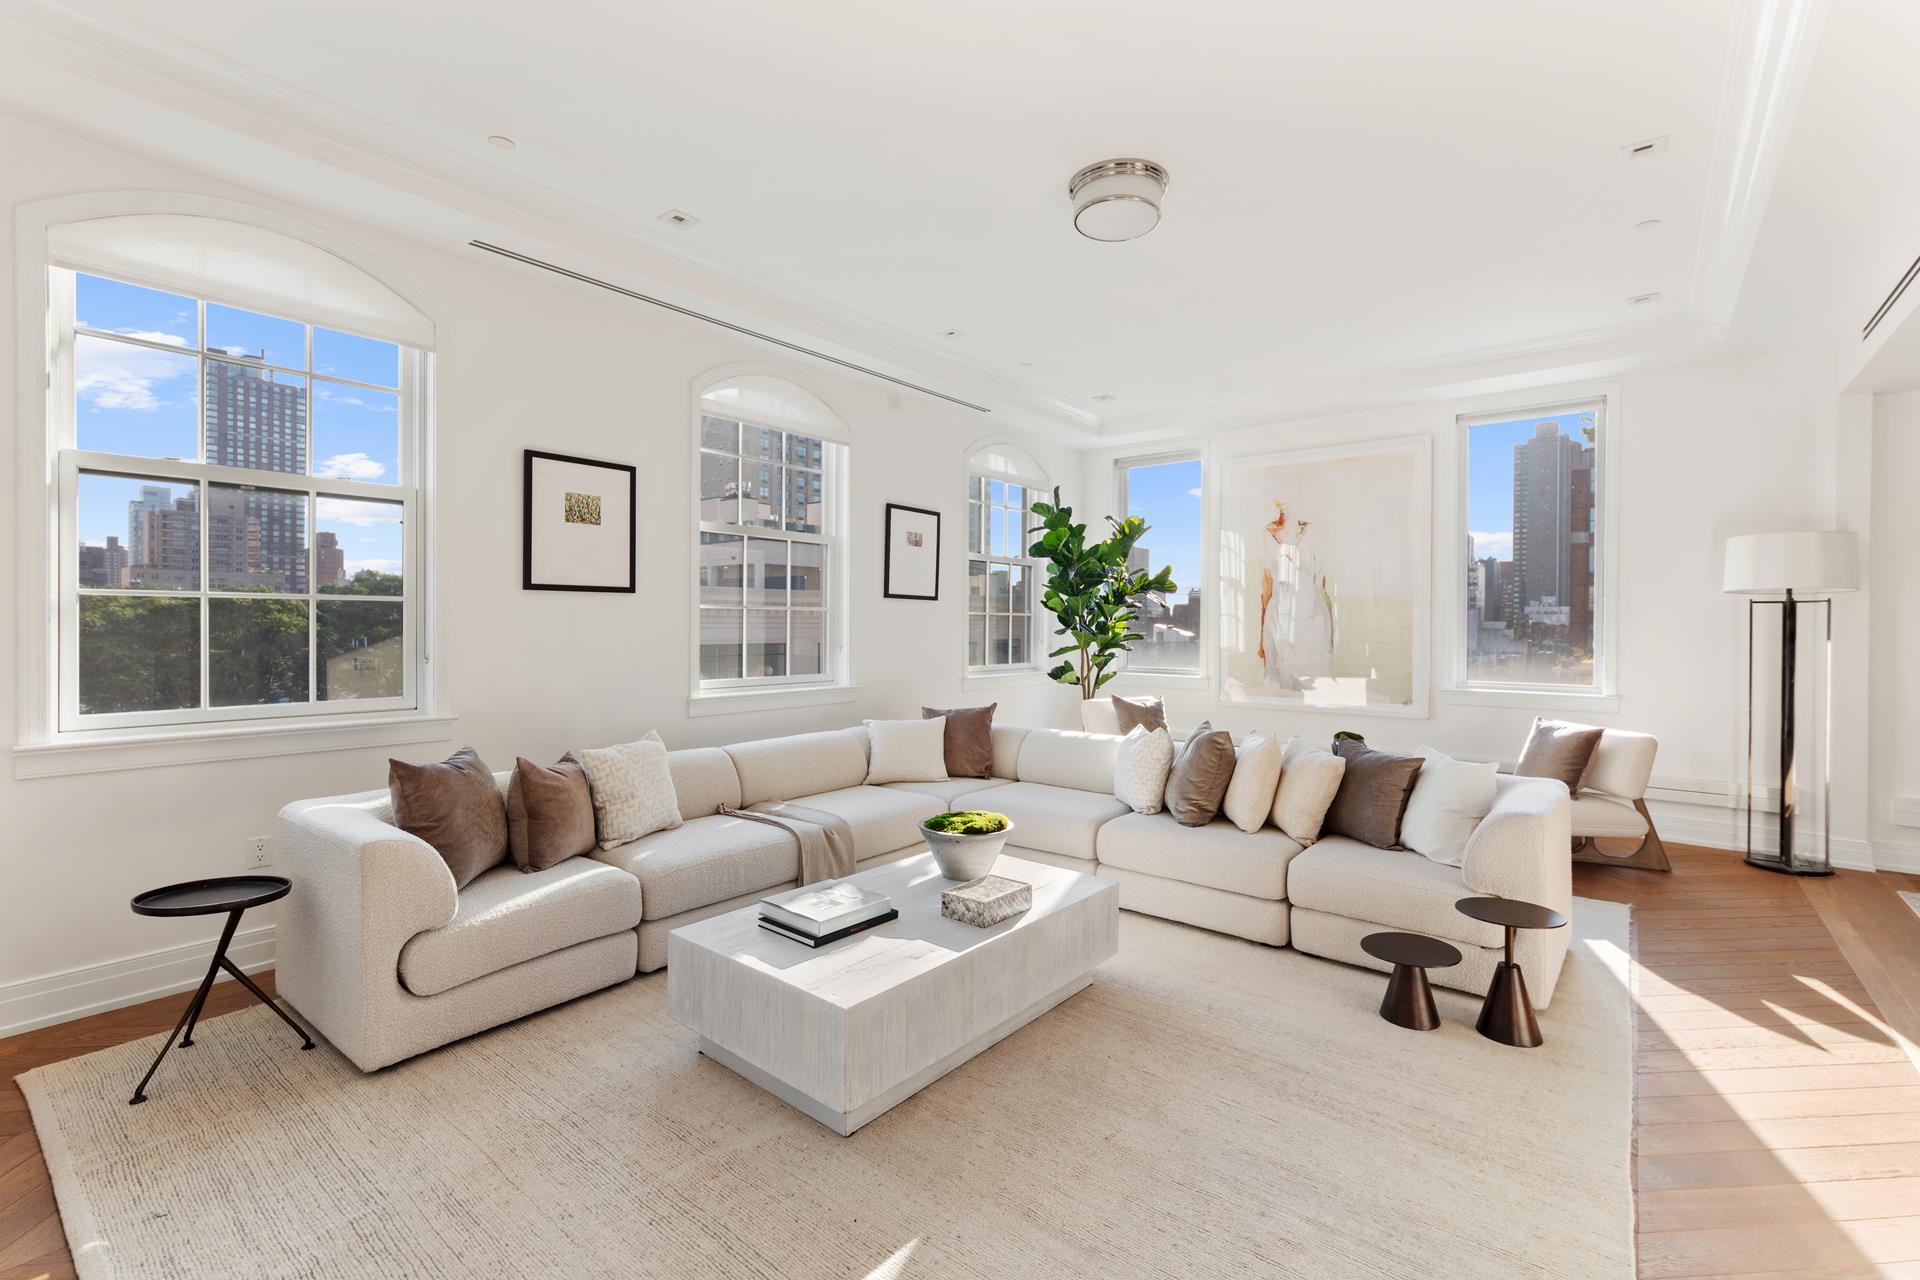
(143, 401)
(1167, 496)
(1490, 478)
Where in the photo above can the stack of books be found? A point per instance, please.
(818, 914)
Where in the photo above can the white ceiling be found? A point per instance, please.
(1358, 191)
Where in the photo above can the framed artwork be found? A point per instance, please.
(1325, 576)
(578, 516)
(913, 553)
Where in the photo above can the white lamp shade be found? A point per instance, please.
(1766, 564)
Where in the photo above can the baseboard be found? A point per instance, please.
(75, 993)
(1711, 825)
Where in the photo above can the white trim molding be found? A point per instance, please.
(96, 988)
(109, 750)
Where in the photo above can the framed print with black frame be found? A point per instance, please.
(578, 524)
(913, 553)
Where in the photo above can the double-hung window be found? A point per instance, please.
(237, 493)
(1166, 492)
(1003, 581)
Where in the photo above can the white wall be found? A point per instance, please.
(525, 360)
(1894, 564)
(1703, 451)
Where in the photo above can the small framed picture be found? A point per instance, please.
(913, 553)
(578, 517)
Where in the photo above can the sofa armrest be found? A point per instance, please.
(1522, 848)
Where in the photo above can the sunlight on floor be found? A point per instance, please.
(896, 1265)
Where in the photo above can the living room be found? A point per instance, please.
(1492, 473)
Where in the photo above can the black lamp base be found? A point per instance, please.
(1786, 868)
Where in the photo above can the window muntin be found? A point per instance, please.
(188, 471)
(1003, 581)
(764, 555)
(1167, 493)
(1533, 521)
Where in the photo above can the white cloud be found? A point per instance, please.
(1193, 493)
(119, 375)
(1497, 545)
(377, 565)
(351, 466)
(361, 514)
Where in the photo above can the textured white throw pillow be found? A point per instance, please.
(1309, 779)
(907, 750)
(1140, 767)
(632, 790)
(1449, 799)
(1256, 779)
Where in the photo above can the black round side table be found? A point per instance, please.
(1507, 1016)
(1409, 1000)
(232, 894)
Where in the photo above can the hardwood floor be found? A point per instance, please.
(1777, 1125)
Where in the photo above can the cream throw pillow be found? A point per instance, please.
(907, 750)
(1256, 778)
(1309, 779)
(632, 790)
(1449, 799)
(1140, 767)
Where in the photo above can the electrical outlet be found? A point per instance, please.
(260, 852)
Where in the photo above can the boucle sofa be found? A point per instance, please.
(383, 957)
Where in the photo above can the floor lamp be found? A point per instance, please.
(1802, 570)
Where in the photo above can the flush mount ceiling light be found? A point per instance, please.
(500, 141)
(1117, 199)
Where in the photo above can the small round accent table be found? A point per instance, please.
(1507, 1016)
(233, 895)
(1409, 1000)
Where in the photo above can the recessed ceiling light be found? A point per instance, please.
(1644, 148)
(951, 334)
(675, 218)
(1651, 224)
(500, 142)
(1103, 396)
(1641, 299)
(1024, 364)
(1117, 199)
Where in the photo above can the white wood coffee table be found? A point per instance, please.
(845, 1032)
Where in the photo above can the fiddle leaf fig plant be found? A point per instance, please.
(1091, 591)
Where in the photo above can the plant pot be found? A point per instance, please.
(966, 857)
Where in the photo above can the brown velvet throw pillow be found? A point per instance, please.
(455, 807)
(969, 739)
(1373, 794)
(1559, 749)
(549, 813)
(1200, 775)
(1151, 712)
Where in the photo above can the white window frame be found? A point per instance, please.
(1033, 570)
(1603, 694)
(1199, 671)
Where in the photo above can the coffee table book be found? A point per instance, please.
(821, 940)
(820, 909)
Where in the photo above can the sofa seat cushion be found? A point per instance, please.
(1595, 815)
(1062, 820)
(1217, 855)
(706, 860)
(883, 818)
(951, 790)
(507, 916)
(1393, 888)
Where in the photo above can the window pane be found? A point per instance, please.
(718, 433)
(1017, 576)
(357, 547)
(1532, 606)
(362, 359)
(1020, 631)
(976, 640)
(809, 643)
(997, 492)
(760, 494)
(977, 586)
(136, 400)
(138, 654)
(256, 652)
(159, 521)
(805, 500)
(720, 569)
(256, 539)
(997, 589)
(1016, 497)
(719, 488)
(976, 527)
(234, 332)
(809, 575)
(760, 443)
(997, 641)
(766, 572)
(256, 418)
(720, 644)
(362, 651)
(1167, 496)
(113, 307)
(806, 451)
(996, 530)
(356, 433)
(766, 642)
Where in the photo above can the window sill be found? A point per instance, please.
(107, 750)
(1536, 699)
(1016, 678)
(739, 701)
(1159, 680)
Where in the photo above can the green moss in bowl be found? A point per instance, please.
(967, 822)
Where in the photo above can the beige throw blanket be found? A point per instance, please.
(825, 839)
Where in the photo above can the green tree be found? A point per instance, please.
(1091, 591)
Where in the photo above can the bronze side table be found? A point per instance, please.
(1507, 1016)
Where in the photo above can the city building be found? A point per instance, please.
(257, 419)
(329, 561)
(103, 566)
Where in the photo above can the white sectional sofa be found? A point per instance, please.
(387, 960)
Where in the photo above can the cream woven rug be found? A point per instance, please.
(1209, 1107)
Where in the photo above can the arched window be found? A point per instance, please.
(1003, 581)
(236, 415)
(771, 565)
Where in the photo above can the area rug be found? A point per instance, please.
(1208, 1107)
